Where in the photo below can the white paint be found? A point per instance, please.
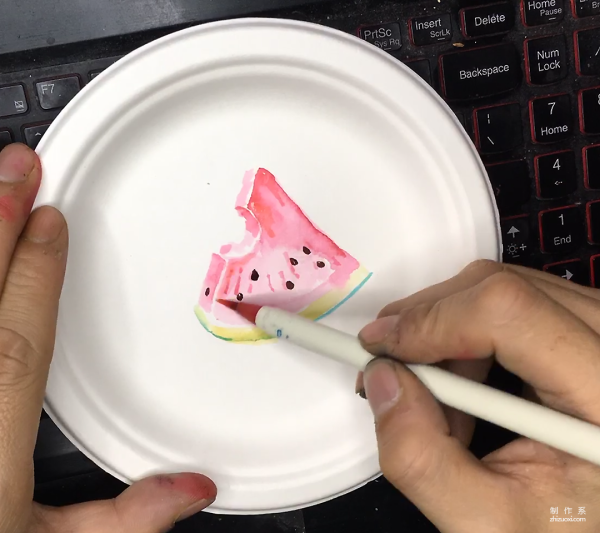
(363, 145)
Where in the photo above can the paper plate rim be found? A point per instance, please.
(224, 25)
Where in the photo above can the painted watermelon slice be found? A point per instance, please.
(283, 261)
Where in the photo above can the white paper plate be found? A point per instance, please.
(146, 164)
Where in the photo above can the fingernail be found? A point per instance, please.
(377, 331)
(193, 509)
(197, 490)
(359, 387)
(44, 226)
(381, 385)
(16, 165)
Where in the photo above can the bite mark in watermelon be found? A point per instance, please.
(283, 261)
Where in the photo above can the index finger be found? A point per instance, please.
(28, 312)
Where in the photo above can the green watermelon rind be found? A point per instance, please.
(253, 335)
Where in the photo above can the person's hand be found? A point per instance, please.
(540, 327)
(33, 255)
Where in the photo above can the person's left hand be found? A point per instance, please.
(33, 255)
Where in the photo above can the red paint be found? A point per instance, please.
(248, 311)
(7, 208)
(197, 486)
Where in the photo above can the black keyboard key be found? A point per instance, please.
(546, 59)
(430, 30)
(461, 119)
(511, 185)
(586, 8)
(498, 128)
(480, 72)
(593, 219)
(556, 174)
(487, 20)
(54, 94)
(561, 230)
(595, 270)
(516, 236)
(422, 68)
(591, 166)
(13, 101)
(5, 139)
(384, 36)
(589, 109)
(587, 52)
(33, 134)
(573, 270)
(551, 118)
(536, 12)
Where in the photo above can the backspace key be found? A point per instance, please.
(480, 72)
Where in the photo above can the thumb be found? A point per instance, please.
(420, 458)
(152, 505)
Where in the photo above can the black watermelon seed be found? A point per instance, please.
(207, 292)
(306, 250)
(254, 276)
(293, 261)
(320, 264)
(240, 297)
(289, 285)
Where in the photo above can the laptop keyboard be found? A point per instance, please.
(522, 77)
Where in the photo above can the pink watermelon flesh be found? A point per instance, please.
(283, 260)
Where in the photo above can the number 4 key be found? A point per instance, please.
(555, 174)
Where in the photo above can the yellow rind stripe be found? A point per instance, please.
(315, 311)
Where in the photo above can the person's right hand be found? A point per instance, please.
(538, 326)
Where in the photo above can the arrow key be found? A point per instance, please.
(33, 134)
(516, 239)
(555, 174)
(574, 270)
